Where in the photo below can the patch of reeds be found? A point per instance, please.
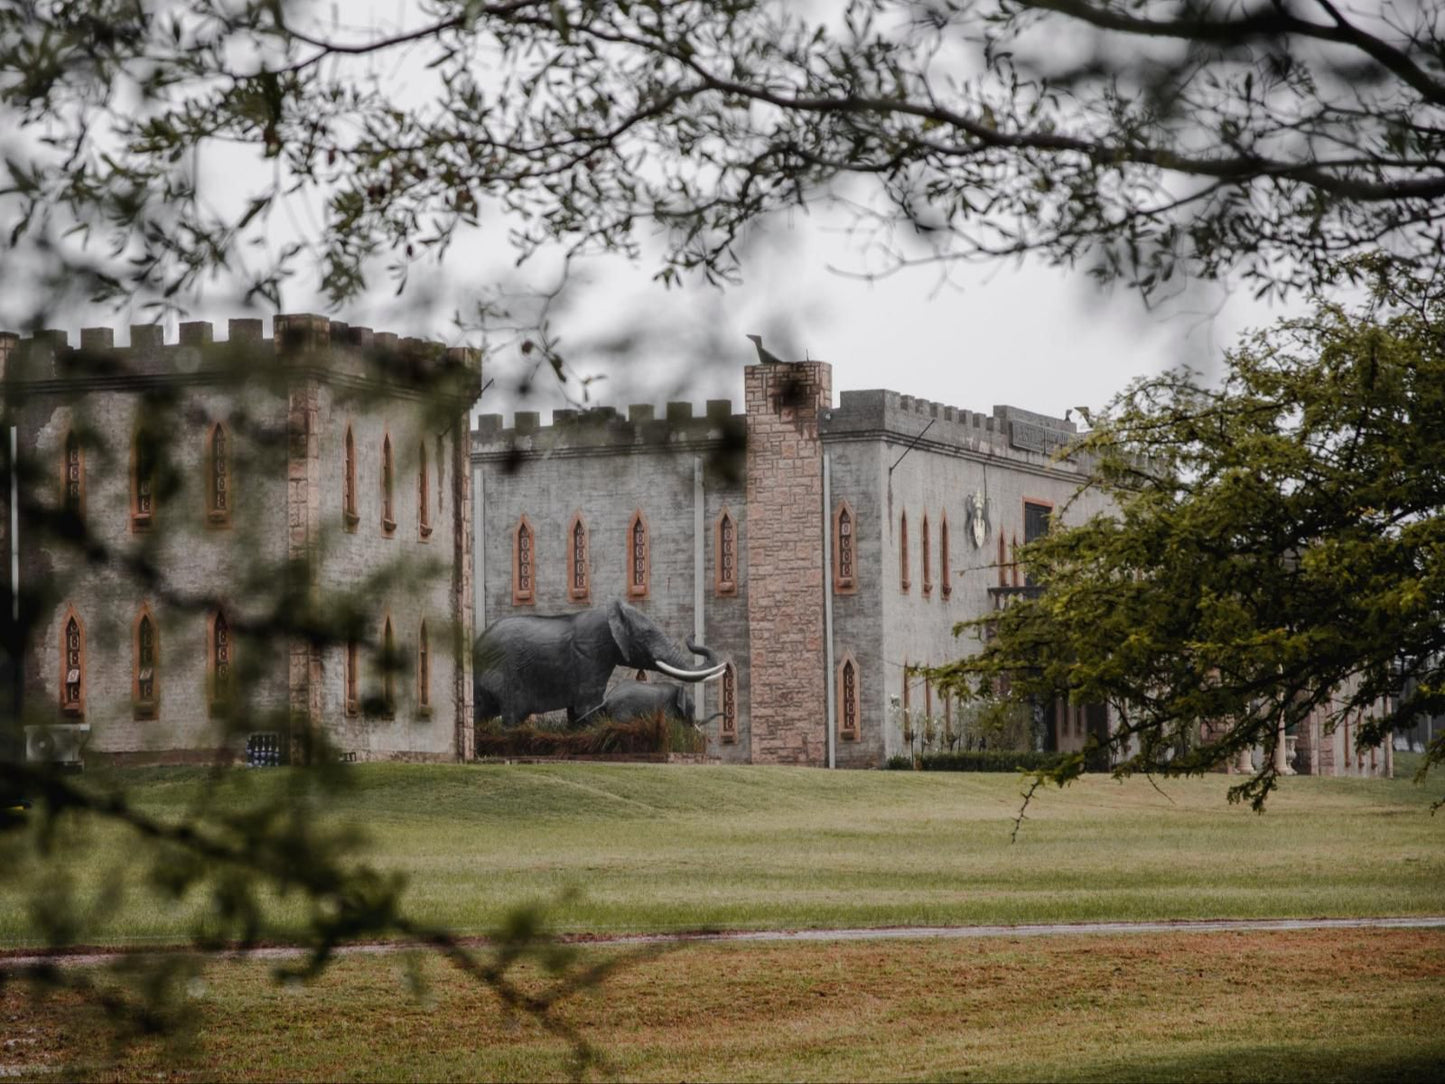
(654, 734)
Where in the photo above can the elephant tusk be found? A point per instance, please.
(691, 675)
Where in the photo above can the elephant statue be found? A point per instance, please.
(639, 700)
(529, 664)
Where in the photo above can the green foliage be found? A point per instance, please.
(1278, 549)
(980, 760)
(656, 734)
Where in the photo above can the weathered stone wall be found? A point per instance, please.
(785, 560)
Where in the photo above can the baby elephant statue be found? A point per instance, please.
(634, 700)
(530, 664)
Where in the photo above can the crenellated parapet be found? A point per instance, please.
(300, 344)
(603, 429)
(1007, 430)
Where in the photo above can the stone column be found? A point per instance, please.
(785, 561)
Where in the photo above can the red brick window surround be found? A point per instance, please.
(353, 675)
(848, 700)
(945, 568)
(72, 475)
(72, 664)
(388, 668)
(388, 487)
(845, 549)
(728, 728)
(423, 670)
(218, 476)
(350, 513)
(639, 562)
(903, 581)
(725, 554)
(524, 563)
(579, 560)
(142, 479)
(220, 662)
(927, 553)
(423, 494)
(145, 682)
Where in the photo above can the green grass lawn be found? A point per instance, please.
(620, 848)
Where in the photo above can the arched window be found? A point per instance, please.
(142, 479)
(388, 487)
(927, 553)
(945, 569)
(903, 550)
(221, 661)
(423, 669)
(218, 476)
(350, 513)
(639, 565)
(728, 728)
(725, 554)
(847, 696)
(524, 563)
(579, 560)
(388, 668)
(72, 476)
(1002, 562)
(147, 657)
(441, 475)
(845, 549)
(72, 664)
(353, 675)
(423, 494)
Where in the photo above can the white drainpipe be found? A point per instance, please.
(828, 609)
(698, 621)
(479, 551)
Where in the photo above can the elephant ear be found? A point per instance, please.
(621, 629)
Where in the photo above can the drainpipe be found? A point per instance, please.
(479, 551)
(698, 621)
(828, 610)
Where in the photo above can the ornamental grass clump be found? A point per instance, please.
(651, 735)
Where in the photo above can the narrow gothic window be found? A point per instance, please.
(945, 571)
(72, 665)
(147, 658)
(524, 563)
(639, 569)
(350, 514)
(73, 475)
(845, 553)
(728, 731)
(142, 480)
(1002, 562)
(579, 580)
(848, 699)
(353, 666)
(218, 475)
(423, 669)
(441, 475)
(903, 550)
(423, 495)
(388, 487)
(927, 559)
(725, 554)
(221, 650)
(927, 698)
(388, 669)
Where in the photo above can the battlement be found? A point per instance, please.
(605, 427)
(297, 340)
(1005, 430)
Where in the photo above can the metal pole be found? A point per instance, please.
(831, 708)
(698, 620)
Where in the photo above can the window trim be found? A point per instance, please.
(524, 596)
(218, 488)
(845, 584)
(634, 588)
(72, 445)
(926, 553)
(351, 676)
(723, 585)
(903, 581)
(423, 494)
(423, 671)
(218, 699)
(140, 520)
(73, 707)
(847, 666)
(945, 564)
(576, 592)
(387, 665)
(388, 486)
(350, 504)
(144, 707)
(728, 706)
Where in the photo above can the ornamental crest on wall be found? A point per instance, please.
(975, 525)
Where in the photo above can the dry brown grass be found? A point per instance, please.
(1330, 1005)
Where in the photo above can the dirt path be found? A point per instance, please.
(85, 957)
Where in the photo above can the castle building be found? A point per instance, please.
(214, 539)
(825, 551)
